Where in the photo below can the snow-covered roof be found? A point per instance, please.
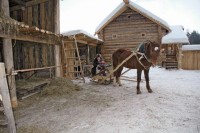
(191, 47)
(78, 32)
(177, 35)
(122, 7)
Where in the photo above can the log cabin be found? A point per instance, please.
(127, 26)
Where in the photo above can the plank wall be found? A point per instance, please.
(191, 60)
(29, 54)
(128, 30)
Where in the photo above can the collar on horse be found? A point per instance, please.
(141, 51)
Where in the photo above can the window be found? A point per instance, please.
(143, 34)
(114, 36)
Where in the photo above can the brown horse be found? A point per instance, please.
(143, 59)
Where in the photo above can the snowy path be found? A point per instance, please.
(173, 107)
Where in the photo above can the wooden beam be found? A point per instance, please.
(31, 38)
(4, 92)
(8, 57)
(81, 41)
(21, 3)
(35, 69)
(57, 53)
(29, 3)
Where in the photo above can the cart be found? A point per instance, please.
(103, 75)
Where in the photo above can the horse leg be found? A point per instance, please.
(146, 74)
(118, 76)
(139, 72)
(115, 81)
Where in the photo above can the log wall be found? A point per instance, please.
(28, 54)
(128, 30)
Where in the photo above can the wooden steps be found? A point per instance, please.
(171, 62)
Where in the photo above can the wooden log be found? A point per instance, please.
(42, 15)
(8, 58)
(30, 18)
(57, 56)
(6, 99)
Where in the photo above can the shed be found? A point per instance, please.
(127, 26)
(79, 45)
(172, 47)
(28, 28)
(191, 57)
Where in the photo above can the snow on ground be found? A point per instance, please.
(173, 107)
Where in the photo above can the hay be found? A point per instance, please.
(31, 83)
(31, 129)
(60, 86)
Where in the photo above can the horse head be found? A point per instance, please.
(152, 51)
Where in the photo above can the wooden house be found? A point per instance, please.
(171, 55)
(127, 26)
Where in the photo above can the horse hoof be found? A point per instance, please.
(120, 85)
(150, 91)
(139, 92)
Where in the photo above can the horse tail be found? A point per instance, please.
(115, 58)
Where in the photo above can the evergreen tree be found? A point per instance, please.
(194, 37)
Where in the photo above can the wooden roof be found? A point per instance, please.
(177, 35)
(82, 37)
(124, 6)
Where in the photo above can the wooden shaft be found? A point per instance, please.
(133, 53)
(125, 71)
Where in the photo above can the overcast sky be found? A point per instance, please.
(87, 14)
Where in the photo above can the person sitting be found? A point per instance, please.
(96, 62)
(102, 67)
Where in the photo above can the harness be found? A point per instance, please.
(143, 56)
(141, 51)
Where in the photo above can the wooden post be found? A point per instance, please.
(179, 56)
(6, 99)
(57, 52)
(159, 34)
(88, 54)
(8, 57)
